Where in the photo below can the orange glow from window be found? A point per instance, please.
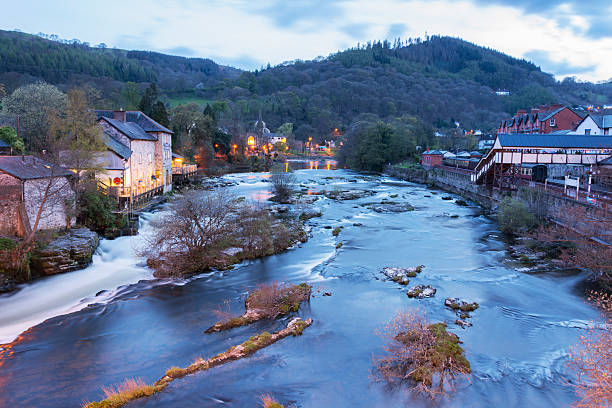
(251, 141)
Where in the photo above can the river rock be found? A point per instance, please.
(389, 207)
(233, 251)
(457, 304)
(421, 291)
(447, 198)
(342, 195)
(401, 275)
(309, 213)
(463, 323)
(7, 284)
(72, 250)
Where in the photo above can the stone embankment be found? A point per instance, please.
(70, 251)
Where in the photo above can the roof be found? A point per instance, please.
(552, 140)
(30, 167)
(548, 115)
(177, 156)
(463, 154)
(130, 129)
(603, 121)
(142, 120)
(433, 152)
(116, 146)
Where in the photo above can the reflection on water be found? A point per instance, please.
(300, 164)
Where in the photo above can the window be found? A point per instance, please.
(552, 122)
(587, 131)
(150, 157)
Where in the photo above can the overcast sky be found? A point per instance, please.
(566, 38)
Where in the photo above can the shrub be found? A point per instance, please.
(275, 299)
(7, 244)
(514, 217)
(420, 354)
(591, 360)
(125, 392)
(283, 184)
(96, 212)
(267, 401)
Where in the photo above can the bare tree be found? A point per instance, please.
(591, 361)
(192, 233)
(283, 184)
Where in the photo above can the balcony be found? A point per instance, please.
(151, 187)
(185, 170)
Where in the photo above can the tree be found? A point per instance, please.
(420, 354)
(131, 95)
(32, 103)
(283, 184)
(9, 135)
(591, 360)
(190, 236)
(148, 100)
(74, 137)
(160, 114)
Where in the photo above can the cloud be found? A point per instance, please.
(593, 18)
(561, 68)
(250, 34)
(397, 30)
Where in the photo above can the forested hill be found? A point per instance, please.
(25, 58)
(440, 80)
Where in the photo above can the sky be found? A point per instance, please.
(565, 38)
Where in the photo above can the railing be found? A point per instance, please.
(122, 191)
(186, 169)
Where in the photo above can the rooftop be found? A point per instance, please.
(30, 167)
(116, 146)
(555, 140)
(130, 129)
(137, 117)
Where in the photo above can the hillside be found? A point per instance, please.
(439, 80)
(26, 58)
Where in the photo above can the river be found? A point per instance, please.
(140, 327)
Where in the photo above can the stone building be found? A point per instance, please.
(139, 157)
(24, 181)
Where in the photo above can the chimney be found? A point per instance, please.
(119, 115)
(521, 112)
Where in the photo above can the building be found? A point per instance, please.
(595, 124)
(23, 182)
(181, 170)
(543, 119)
(138, 162)
(431, 158)
(559, 152)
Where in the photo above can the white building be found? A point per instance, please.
(594, 124)
(139, 156)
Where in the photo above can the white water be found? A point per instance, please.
(115, 264)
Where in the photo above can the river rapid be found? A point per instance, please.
(140, 327)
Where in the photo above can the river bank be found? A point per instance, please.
(517, 344)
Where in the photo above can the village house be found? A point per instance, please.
(138, 162)
(23, 183)
(542, 120)
(595, 124)
(431, 158)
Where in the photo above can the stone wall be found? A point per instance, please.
(58, 211)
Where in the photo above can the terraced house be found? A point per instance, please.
(138, 162)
